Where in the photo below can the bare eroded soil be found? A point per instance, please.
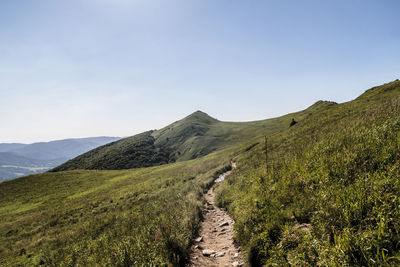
(215, 246)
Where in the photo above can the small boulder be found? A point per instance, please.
(199, 239)
(223, 224)
(208, 252)
(220, 254)
(306, 227)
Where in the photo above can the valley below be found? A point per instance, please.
(18, 159)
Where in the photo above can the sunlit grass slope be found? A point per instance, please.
(104, 218)
(122, 217)
(331, 193)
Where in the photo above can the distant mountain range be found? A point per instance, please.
(23, 159)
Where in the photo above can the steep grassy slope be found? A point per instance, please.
(133, 152)
(331, 193)
(195, 136)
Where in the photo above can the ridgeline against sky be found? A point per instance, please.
(120, 67)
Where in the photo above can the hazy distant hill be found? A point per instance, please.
(67, 148)
(13, 165)
(4, 147)
(23, 159)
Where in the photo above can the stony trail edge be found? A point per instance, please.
(215, 245)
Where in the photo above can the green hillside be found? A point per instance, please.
(329, 195)
(102, 218)
(195, 136)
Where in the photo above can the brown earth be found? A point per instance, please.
(215, 245)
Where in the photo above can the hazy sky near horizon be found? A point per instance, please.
(81, 68)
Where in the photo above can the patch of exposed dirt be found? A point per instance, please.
(215, 245)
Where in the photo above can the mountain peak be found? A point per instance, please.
(199, 113)
(200, 116)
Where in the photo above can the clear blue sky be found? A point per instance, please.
(82, 68)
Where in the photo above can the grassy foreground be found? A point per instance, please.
(104, 218)
(331, 193)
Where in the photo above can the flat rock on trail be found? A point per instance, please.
(215, 246)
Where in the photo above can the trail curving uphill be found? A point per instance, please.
(215, 245)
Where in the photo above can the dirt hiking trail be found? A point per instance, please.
(215, 245)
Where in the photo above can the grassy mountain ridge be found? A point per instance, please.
(192, 137)
(378, 92)
(329, 196)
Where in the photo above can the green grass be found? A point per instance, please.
(331, 193)
(100, 218)
(330, 196)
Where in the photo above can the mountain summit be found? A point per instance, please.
(201, 116)
(181, 140)
(194, 136)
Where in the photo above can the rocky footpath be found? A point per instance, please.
(215, 245)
